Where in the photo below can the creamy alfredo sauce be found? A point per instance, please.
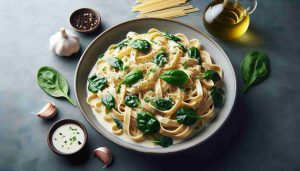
(68, 138)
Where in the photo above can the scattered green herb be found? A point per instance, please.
(162, 103)
(132, 101)
(96, 83)
(161, 59)
(118, 123)
(132, 77)
(147, 123)
(185, 64)
(53, 83)
(139, 44)
(255, 68)
(171, 37)
(115, 63)
(163, 141)
(217, 95)
(186, 116)
(182, 47)
(123, 44)
(175, 77)
(195, 53)
(109, 101)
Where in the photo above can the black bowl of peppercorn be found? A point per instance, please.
(85, 20)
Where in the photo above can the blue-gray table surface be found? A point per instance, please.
(263, 132)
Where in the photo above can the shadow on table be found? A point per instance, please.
(211, 151)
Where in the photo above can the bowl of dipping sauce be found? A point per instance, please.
(67, 137)
(85, 20)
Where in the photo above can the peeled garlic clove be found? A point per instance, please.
(48, 111)
(104, 154)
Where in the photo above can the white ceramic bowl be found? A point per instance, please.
(115, 35)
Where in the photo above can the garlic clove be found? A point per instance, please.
(48, 111)
(104, 154)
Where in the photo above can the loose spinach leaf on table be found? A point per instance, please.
(195, 53)
(53, 83)
(171, 37)
(115, 63)
(160, 59)
(163, 141)
(118, 123)
(162, 103)
(132, 101)
(255, 68)
(96, 83)
(186, 116)
(147, 123)
(211, 75)
(109, 101)
(132, 77)
(141, 45)
(175, 77)
(217, 95)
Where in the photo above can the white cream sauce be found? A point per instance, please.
(68, 138)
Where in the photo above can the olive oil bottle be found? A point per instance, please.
(227, 19)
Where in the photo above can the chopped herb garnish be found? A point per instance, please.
(79, 142)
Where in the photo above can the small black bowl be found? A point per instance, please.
(58, 124)
(78, 14)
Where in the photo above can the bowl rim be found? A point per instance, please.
(128, 145)
(60, 123)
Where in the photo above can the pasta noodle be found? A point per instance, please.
(195, 94)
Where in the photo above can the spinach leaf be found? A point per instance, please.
(162, 104)
(171, 37)
(53, 83)
(96, 83)
(195, 53)
(255, 68)
(118, 123)
(109, 101)
(182, 47)
(186, 116)
(132, 77)
(217, 95)
(123, 44)
(163, 141)
(212, 75)
(175, 77)
(161, 59)
(139, 44)
(147, 123)
(101, 55)
(132, 101)
(115, 63)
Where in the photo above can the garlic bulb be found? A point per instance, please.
(64, 43)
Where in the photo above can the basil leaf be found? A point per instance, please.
(147, 123)
(132, 101)
(195, 53)
(53, 83)
(175, 77)
(212, 75)
(161, 59)
(139, 44)
(101, 55)
(162, 104)
(109, 101)
(118, 123)
(115, 63)
(171, 37)
(123, 44)
(255, 68)
(96, 83)
(132, 77)
(163, 141)
(186, 116)
(217, 95)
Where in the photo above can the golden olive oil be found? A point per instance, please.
(226, 19)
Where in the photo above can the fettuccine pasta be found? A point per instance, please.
(155, 85)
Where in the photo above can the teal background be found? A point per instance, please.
(261, 134)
